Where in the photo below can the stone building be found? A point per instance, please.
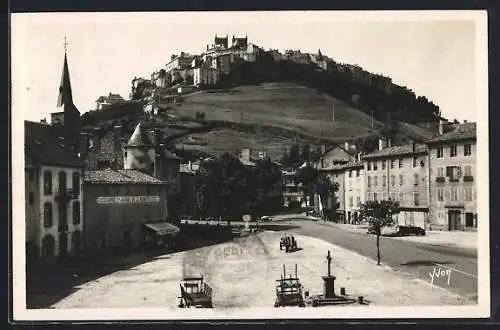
(453, 180)
(354, 190)
(336, 173)
(125, 209)
(53, 171)
(400, 173)
(53, 189)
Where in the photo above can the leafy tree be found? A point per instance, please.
(327, 189)
(379, 215)
(308, 176)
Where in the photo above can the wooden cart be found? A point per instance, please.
(195, 293)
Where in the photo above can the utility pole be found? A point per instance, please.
(372, 116)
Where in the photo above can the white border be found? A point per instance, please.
(20, 312)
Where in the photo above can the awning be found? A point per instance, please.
(163, 228)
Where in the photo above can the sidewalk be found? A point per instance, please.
(242, 277)
(461, 239)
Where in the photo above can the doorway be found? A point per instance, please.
(454, 220)
(469, 220)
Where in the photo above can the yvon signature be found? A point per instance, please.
(439, 272)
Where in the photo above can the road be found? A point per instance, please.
(454, 269)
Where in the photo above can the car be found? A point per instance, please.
(410, 230)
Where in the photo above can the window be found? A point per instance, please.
(31, 198)
(383, 164)
(47, 183)
(393, 180)
(440, 195)
(47, 215)
(453, 151)
(468, 194)
(63, 214)
(400, 180)
(393, 196)
(453, 172)
(375, 166)
(48, 246)
(416, 198)
(76, 212)
(440, 171)
(467, 170)
(453, 194)
(384, 179)
(467, 150)
(393, 163)
(415, 179)
(439, 152)
(375, 181)
(374, 196)
(369, 166)
(415, 162)
(358, 201)
(384, 196)
(369, 181)
(76, 183)
(351, 201)
(401, 164)
(401, 196)
(350, 173)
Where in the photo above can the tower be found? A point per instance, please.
(72, 124)
(139, 153)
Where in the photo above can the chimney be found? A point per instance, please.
(380, 143)
(117, 137)
(346, 146)
(440, 127)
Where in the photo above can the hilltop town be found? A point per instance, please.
(231, 136)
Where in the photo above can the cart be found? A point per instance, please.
(289, 291)
(195, 293)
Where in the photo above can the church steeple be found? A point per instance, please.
(65, 93)
(72, 124)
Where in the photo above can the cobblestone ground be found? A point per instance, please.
(242, 273)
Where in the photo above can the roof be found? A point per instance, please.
(356, 164)
(397, 151)
(170, 155)
(120, 177)
(45, 145)
(461, 132)
(139, 138)
(332, 168)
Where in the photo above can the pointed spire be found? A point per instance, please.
(139, 138)
(65, 93)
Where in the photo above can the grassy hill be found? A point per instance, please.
(269, 116)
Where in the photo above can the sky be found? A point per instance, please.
(436, 55)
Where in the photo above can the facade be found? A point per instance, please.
(354, 190)
(178, 62)
(400, 173)
(53, 189)
(205, 75)
(453, 179)
(104, 101)
(124, 209)
(292, 193)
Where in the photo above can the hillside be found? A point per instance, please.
(269, 116)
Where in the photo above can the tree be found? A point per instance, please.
(379, 215)
(326, 189)
(308, 176)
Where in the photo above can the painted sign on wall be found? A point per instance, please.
(128, 200)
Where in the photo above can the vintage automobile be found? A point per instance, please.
(289, 291)
(195, 293)
(410, 230)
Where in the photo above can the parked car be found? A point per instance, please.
(410, 230)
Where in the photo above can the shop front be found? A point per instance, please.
(160, 234)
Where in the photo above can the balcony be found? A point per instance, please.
(468, 178)
(62, 228)
(441, 179)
